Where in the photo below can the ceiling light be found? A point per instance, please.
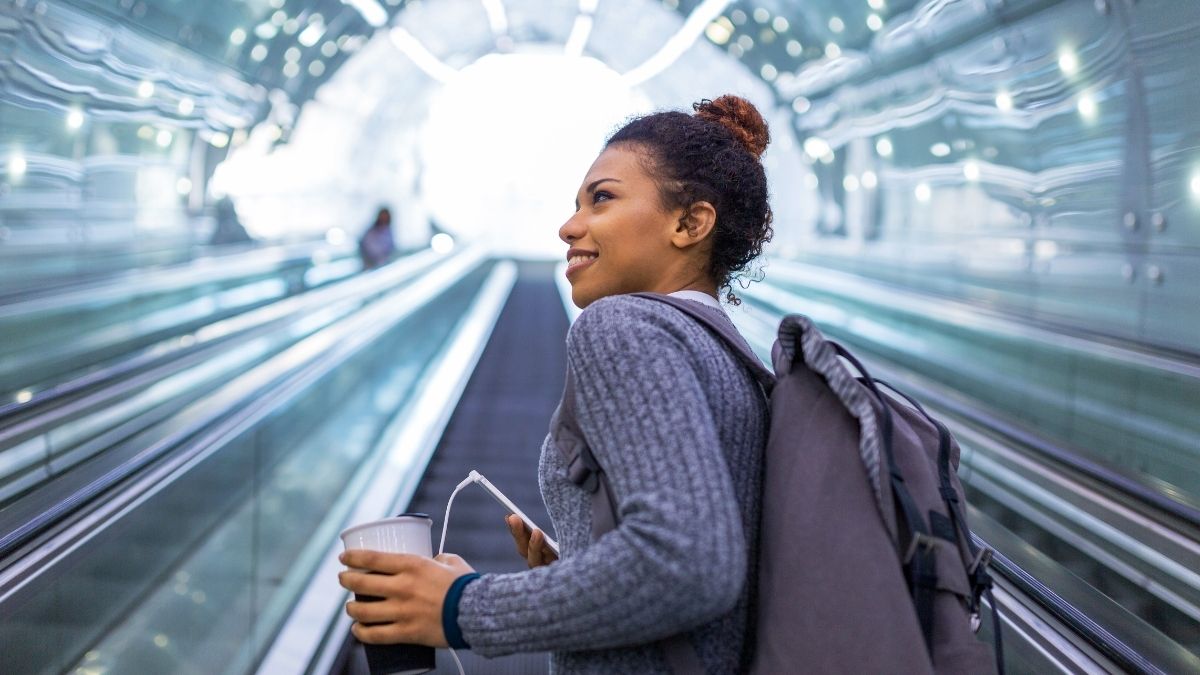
(74, 119)
(1068, 62)
(884, 147)
(421, 57)
(850, 182)
(372, 12)
(832, 50)
(316, 69)
(923, 192)
(238, 36)
(869, 180)
(836, 24)
(875, 4)
(1004, 101)
(874, 22)
(145, 89)
(680, 42)
(939, 150)
(971, 171)
(441, 243)
(311, 34)
(1087, 106)
(780, 24)
(259, 52)
(801, 105)
(164, 138)
(719, 31)
(17, 165)
(761, 15)
(219, 139)
(816, 147)
(186, 105)
(329, 49)
(581, 30)
(768, 72)
(794, 48)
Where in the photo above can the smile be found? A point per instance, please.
(578, 262)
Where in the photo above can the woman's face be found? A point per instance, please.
(620, 237)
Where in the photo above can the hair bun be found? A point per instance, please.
(740, 117)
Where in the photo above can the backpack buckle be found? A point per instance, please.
(584, 471)
(982, 559)
(924, 542)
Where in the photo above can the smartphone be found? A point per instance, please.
(477, 477)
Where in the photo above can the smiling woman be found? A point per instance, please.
(663, 580)
(675, 202)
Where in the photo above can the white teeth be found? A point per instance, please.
(575, 260)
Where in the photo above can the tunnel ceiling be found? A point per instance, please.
(296, 45)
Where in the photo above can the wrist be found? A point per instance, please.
(450, 627)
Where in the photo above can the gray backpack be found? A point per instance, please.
(866, 561)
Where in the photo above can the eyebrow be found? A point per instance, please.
(592, 187)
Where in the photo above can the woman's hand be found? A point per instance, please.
(530, 545)
(412, 589)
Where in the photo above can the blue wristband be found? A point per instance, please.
(450, 611)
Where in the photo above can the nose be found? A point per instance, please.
(573, 230)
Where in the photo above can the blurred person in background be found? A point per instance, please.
(377, 245)
(229, 229)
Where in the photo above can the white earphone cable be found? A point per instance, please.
(442, 548)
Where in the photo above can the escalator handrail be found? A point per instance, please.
(1183, 511)
(1096, 345)
(52, 398)
(18, 535)
(1025, 577)
(160, 280)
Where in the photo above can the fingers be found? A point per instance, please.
(520, 534)
(378, 561)
(381, 611)
(381, 585)
(533, 554)
(382, 634)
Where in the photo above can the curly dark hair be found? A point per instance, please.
(712, 156)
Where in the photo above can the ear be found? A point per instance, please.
(696, 223)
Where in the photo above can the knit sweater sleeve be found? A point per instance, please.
(677, 558)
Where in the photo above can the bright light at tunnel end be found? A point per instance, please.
(507, 142)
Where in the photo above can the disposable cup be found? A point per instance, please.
(406, 533)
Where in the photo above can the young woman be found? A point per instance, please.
(675, 204)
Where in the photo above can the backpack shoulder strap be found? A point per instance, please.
(582, 468)
(723, 329)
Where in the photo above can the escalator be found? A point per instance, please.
(218, 554)
(185, 550)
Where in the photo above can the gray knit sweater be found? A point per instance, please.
(679, 427)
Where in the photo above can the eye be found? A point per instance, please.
(601, 194)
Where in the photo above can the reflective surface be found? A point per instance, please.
(1040, 166)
